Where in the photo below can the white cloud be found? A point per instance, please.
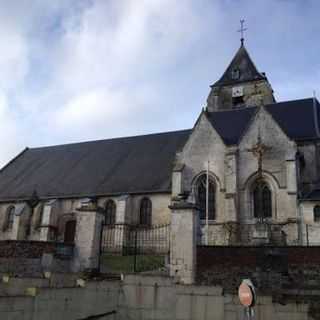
(11, 140)
(78, 70)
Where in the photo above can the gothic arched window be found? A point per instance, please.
(316, 213)
(262, 201)
(110, 212)
(9, 218)
(202, 197)
(146, 212)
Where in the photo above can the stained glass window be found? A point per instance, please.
(262, 201)
(146, 212)
(110, 212)
(202, 195)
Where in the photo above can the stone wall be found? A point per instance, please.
(255, 93)
(276, 271)
(32, 258)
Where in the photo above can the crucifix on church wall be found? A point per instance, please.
(262, 194)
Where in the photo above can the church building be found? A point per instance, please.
(250, 165)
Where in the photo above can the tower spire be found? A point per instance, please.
(242, 30)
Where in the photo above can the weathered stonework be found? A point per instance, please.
(183, 242)
(255, 94)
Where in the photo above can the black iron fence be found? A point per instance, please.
(257, 233)
(142, 247)
(312, 234)
(127, 239)
(243, 234)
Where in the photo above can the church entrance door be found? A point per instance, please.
(70, 231)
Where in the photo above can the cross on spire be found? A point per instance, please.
(242, 30)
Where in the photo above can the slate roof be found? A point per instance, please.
(231, 124)
(296, 118)
(313, 195)
(242, 62)
(138, 164)
(122, 165)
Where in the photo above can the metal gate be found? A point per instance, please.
(142, 247)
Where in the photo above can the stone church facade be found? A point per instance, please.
(250, 166)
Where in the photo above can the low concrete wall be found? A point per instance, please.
(149, 297)
(32, 300)
(159, 298)
(137, 297)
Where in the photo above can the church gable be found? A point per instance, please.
(204, 146)
(231, 124)
(280, 148)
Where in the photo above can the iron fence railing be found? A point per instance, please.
(248, 233)
(64, 250)
(312, 234)
(289, 233)
(127, 239)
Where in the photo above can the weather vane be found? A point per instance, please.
(242, 30)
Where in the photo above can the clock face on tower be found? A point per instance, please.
(237, 91)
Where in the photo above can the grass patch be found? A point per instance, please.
(125, 264)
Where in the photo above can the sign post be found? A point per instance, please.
(247, 297)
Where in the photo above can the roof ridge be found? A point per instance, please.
(288, 101)
(110, 139)
(15, 158)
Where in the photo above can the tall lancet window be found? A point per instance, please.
(146, 212)
(262, 200)
(202, 197)
(110, 212)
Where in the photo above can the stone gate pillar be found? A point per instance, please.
(87, 239)
(183, 244)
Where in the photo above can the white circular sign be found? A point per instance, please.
(246, 293)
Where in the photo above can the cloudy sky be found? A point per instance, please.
(75, 70)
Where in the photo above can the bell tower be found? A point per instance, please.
(241, 85)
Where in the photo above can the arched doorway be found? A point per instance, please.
(70, 231)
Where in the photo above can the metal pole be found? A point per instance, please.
(249, 313)
(307, 234)
(207, 205)
(100, 246)
(135, 250)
